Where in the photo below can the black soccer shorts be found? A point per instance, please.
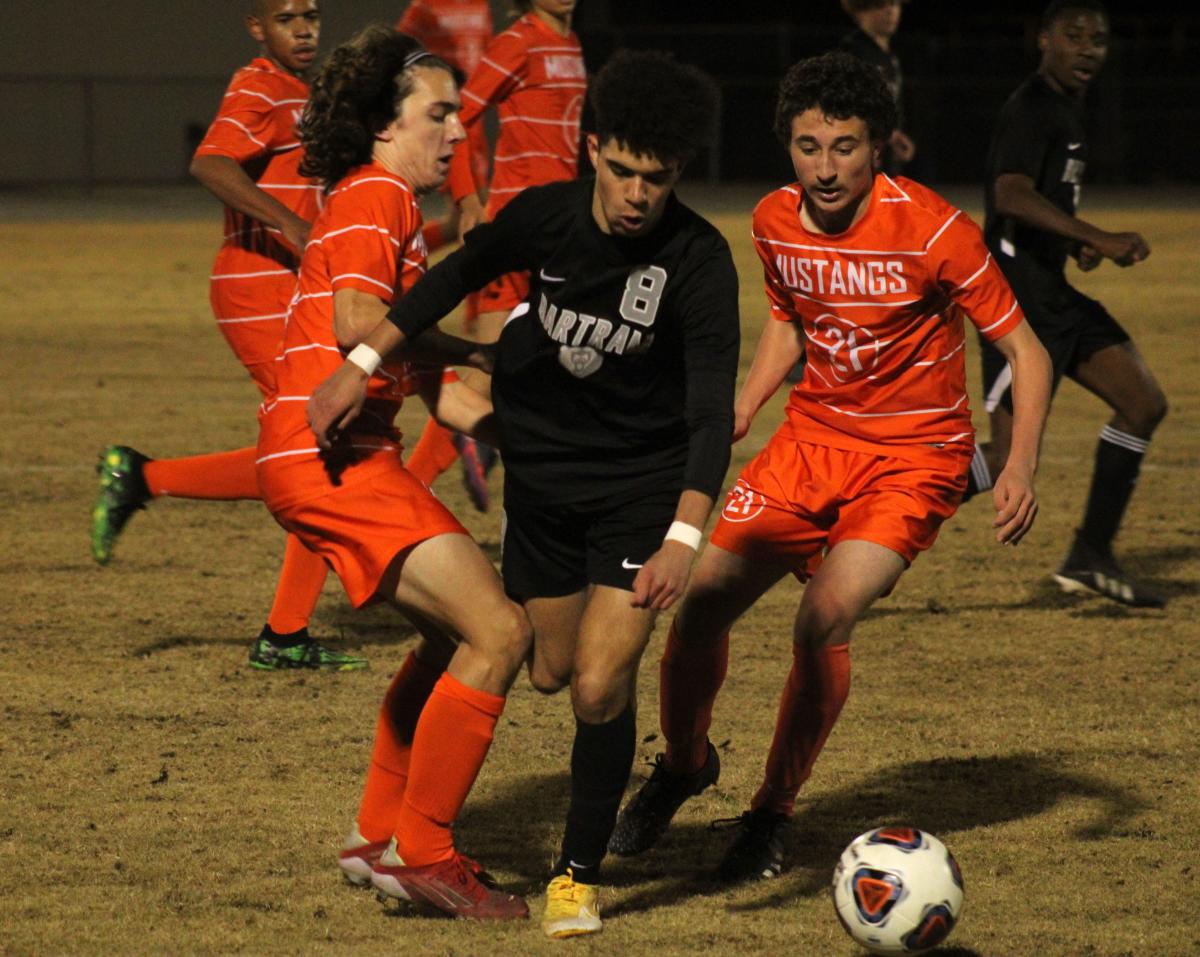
(1072, 326)
(556, 550)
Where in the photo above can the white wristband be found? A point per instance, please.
(366, 358)
(689, 535)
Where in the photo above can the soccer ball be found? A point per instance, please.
(897, 890)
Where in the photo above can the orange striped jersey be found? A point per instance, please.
(455, 30)
(882, 306)
(256, 127)
(537, 81)
(368, 237)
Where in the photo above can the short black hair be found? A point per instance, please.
(653, 105)
(1058, 8)
(840, 86)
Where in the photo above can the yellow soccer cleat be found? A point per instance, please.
(571, 908)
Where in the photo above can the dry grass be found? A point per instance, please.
(159, 796)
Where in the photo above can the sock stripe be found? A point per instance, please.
(980, 471)
(1124, 439)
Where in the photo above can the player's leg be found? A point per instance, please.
(448, 580)
(610, 640)
(852, 576)
(387, 774)
(1118, 375)
(724, 585)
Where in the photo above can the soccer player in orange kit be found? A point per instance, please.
(378, 131)
(871, 277)
(249, 159)
(534, 75)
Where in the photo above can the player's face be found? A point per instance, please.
(835, 162)
(1074, 48)
(881, 21)
(631, 189)
(287, 31)
(420, 141)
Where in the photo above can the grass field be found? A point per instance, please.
(159, 796)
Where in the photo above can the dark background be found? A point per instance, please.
(118, 93)
(960, 62)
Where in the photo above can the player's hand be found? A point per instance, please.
(295, 232)
(1124, 249)
(663, 578)
(902, 146)
(470, 214)
(1087, 257)
(1016, 505)
(741, 425)
(336, 402)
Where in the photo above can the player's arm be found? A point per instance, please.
(708, 304)
(780, 347)
(491, 252)
(1017, 198)
(225, 178)
(1013, 494)
(457, 406)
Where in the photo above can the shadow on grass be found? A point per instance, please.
(944, 796)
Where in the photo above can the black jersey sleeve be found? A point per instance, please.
(489, 251)
(1022, 140)
(711, 339)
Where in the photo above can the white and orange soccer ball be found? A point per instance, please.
(897, 890)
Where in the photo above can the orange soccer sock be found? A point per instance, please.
(299, 586)
(689, 678)
(383, 794)
(433, 453)
(451, 740)
(220, 476)
(816, 688)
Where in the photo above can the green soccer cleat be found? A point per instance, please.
(300, 651)
(122, 492)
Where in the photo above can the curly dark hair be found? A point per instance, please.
(653, 105)
(357, 93)
(840, 86)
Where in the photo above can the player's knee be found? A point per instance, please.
(508, 641)
(823, 622)
(596, 697)
(545, 679)
(1154, 412)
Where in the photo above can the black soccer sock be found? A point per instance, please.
(1118, 460)
(979, 476)
(289, 640)
(601, 760)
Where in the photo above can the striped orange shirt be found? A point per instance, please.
(882, 308)
(256, 127)
(455, 30)
(368, 238)
(537, 81)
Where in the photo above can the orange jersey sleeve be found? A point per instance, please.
(367, 238)
(256, 127)
(537, 81)
(881, 306)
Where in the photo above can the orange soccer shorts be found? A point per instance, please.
(795, 500)
(360, 528)
(499, 295)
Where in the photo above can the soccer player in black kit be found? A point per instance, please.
(613, 387)
(1034, 171)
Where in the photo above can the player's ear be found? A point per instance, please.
(255, 28)
(1043, 40)
(593, 148)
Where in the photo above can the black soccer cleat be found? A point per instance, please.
(757, 851)
(1088, 571)
(647, 815)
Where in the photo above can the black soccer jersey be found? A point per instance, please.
(1040, 134)
(615, 377)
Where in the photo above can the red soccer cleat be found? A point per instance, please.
(358, 856)
(451, 886)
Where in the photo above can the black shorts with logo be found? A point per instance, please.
(1072, 326)
(548, 551)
